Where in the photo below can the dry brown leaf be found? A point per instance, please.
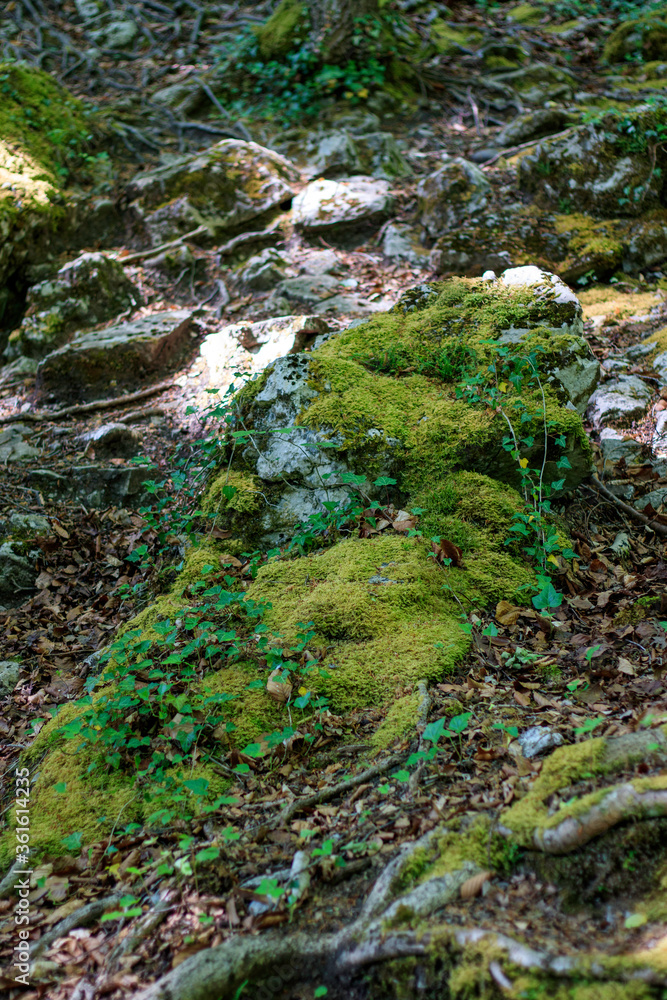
(626, 667)
(59, 530)
(506, 613)
(473, 885)
(447, 550)
(279, 690)
(228, 560)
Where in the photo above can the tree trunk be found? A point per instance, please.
(332, 25)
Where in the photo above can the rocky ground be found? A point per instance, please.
(525, 857)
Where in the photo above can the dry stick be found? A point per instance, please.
(340, 789)
(82, 917)
(143, 254)
(98, 404)
(660, 529)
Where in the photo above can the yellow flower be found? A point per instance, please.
(523, 462)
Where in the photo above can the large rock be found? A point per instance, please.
(536, 125)
(619, 401)
(341, 209)
(14, 444)
(120, 357)
(18, 556)
(44, 133)
(608, 168)
(342, 154)
(96, 485)
(574, 367)
(454, 192)
(401, 242)
(223, 187)
(87, 291)
(380, 399)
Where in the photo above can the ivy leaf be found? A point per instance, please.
(198, 786)
(73, 842)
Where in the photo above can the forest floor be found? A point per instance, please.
(595, 667)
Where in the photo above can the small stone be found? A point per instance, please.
(621, 400)
(622, 490)
(659, 442)
(9, 676)
(114, 440)
(621, 544)
(656, 498)
(538, 739)
(615, 445)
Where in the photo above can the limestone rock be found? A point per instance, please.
(222, 188)
(540, 82)
(574, 367)
(114, 440)
(656, 498)
(253, 346)
(538, 739)
(9, 676)
(536, 125)
(598, 168)
(13, 444)
(262, 271)
(454, 192)
(621, 400)
(89, 290)
(118, 357)
(118, 34)
(96, 486)
(401, 242)
(659, 442)
(659, 365)
(342, 154)
(341, 209)
(615, 446)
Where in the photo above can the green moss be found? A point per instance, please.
(401, 719)
(380, 636)
(525, 13)
(638, 611)
(280, 33)
(448, 40)
(645, 37)
(43, 129)
(246, 500)
(253, 713)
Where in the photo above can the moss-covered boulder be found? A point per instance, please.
(381, 399)
(611, 167)
(643, 38)
(44, 133)
(220, 188)
(454, 192)
(89, 290)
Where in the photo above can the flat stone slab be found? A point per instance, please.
(615, 445)
(620, 401)
(13, 444)
(97, 486)
(253, 346)
(118, 358)
(328, 206)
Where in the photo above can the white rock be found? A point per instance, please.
(624, 399)
(327, 205)
(659, 365)
(659, 443)
(538, 739)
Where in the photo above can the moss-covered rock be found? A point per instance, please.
(284, 28)
(612, 167)
(44, 133)
(642, 37)
(380, 399)
(220, 188)
(87, 291)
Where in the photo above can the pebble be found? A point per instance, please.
(539, 739)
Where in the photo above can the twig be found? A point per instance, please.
(325, 794)
(82, 917)
(246, 238)
(144, 254)
(660, 529)
(98, 404)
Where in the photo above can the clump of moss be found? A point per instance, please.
(280, 33)
(644, 37)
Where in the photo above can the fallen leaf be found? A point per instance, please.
(473, 885)
(626, 667)
(279, 690)
(447, 550)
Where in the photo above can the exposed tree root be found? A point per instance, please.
(621, 803)
(660, 529)
(98, 404)
(83, 917)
